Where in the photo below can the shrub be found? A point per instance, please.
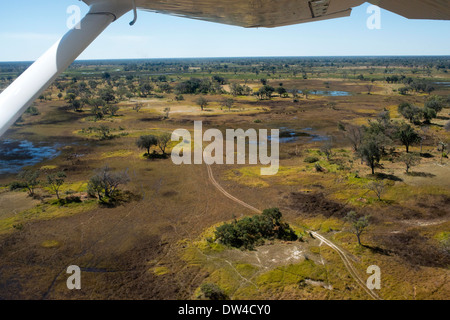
(311, 159)
(33, 111)
(73, 199)
(213, 292)
(17, 185)
(252, 231)
(318, 167)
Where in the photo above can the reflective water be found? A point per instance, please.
(288, 135)
(328, 93)
(16, 154)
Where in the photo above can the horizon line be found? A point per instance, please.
(250, 57)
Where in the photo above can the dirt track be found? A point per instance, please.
(351, 269)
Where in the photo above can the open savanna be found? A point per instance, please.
(159, 244)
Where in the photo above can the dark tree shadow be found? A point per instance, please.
(421, 174)
(154, 155)
(384, 176)
(426, 155)
(377, 250)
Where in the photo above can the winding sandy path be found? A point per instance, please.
(351, 269)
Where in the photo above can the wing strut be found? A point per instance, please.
(15, 99)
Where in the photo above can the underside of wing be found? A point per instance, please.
(253, 13)
(417, 9)
(275, 13)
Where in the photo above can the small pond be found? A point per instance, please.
(328, 93)
(16, 154)
(288, 135)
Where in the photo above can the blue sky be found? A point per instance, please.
(29, 27)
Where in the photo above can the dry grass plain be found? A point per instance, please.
(156, 246)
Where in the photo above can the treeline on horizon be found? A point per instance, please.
(438, 62)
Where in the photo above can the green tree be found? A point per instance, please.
(104, 132)
(265, 92)
(107, 95)
(77, 105)
(213, 292)
(30, 178)
(145, 89)
(228, 103)
(281, 91)
(428, 114)
(370, 151)
(202, 102)
(251, 231)
(407, 135)
(359, 224)
(403, 90)
(236, 89)
(70, 97)
(410, 112)
(436, 103)
(146, 142)
(113, 109)
(55, 181)
(306, 93)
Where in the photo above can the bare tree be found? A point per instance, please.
(104, 184)
(202, 102)
(410, 160)
(306, 93)
(166, 113)
(294, 93)
(354, 134)
(327, 148)
(442, 147)
(378, 187)
(163, 141)
(359, 224)
(137, 107)
(447, 126)
(332, 105)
